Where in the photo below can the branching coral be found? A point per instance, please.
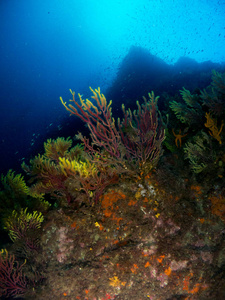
(196, 152)
(23, 226)
(57, 148)
(12, 280)
(99, 120)
(92, 178)
(200, 149)
(189, 112)
(63, 171)
(142, 132)
(84, 169)
(46, 170)
(47, 175)
(214, 96)
(15, 184)
(213, 129)
(139, 135)
(16, 194)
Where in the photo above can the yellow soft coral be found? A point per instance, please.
(87, 105)
(42, 166)
(56, 148)
(15, 183)
(212, 125)
(18, 223)
(84, 169)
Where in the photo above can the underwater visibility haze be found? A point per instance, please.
(112, 149)
(48, 47)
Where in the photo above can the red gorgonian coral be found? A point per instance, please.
(12, 280)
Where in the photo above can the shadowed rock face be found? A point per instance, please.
(141, 72)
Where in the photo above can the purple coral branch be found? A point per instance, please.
(101, 125)
(141, 133)
(12, 280)
(143, 142)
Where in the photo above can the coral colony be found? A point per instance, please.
(136, 209)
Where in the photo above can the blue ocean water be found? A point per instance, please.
(49, 46)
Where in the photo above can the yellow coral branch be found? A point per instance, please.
(16, 183)
(212, 125)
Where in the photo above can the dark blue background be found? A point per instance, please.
(50, 46)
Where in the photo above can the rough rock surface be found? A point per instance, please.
(138, 242)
